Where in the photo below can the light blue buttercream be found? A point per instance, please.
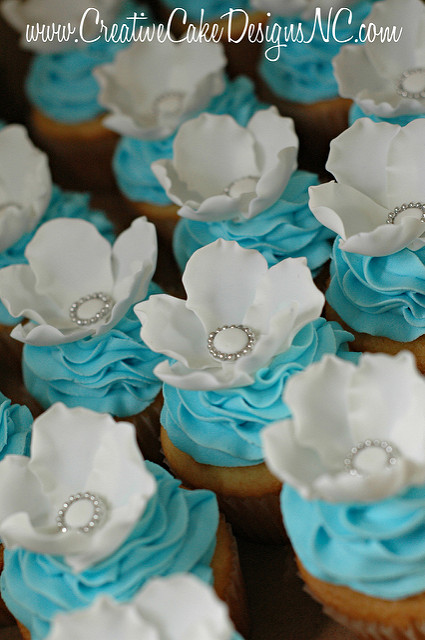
(63, 204)
(112, 372)
(15, 428)
(133, 158)
(62, 85)
(377, 548)
(356, 112)
(381, 296)
(286, 229)
(223, 428)
(303, 71)
(212, 8)
(176, 533)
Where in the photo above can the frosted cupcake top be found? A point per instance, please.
(387, 78)
(179, 607)
(238, 315)
(94, 284)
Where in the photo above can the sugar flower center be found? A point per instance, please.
(231, 342)
(403, 207)
(369, 456)
(411, 83)
(241, 186)
(168, 104)
(83, 512)
(91, 308)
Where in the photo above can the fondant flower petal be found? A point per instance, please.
(25, 184)
(66, 275)
(221, 281)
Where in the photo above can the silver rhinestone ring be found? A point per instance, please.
(169, 103)
(391, 455)
(222, 355)
(98, 512)
(243, 184)
(103, 312)
(412, 205)
(401, 88)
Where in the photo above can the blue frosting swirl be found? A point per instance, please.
(63, 204)
(381, 296)
(15, 428)
(133, 158)
(62, 85)
(303, 71)
(212, 8)
(176, 533)
(377, 548)
(223, 428)
(286, 229)
(356, 112)
(111, 372)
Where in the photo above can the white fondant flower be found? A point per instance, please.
(357, 433)
(179, 607)
(378, 168)
(25, 184)
(74, 451)
(152, 87)
(227, 285)
(69, 259)
(49, 26)
(372, 75)
(221, 170)
(304, 9)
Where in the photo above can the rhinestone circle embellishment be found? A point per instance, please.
(222, 355)
(391, 455)
(103, 312)
(238, 187)
(97, 517)
(412, 205)
(401, 84)
(168, 104)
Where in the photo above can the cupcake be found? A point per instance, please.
(179, 607)
(232, 25)
(355, 471)
(105, 527)
(147, 110)
(81, 338)
(247, 189)
(29, 199)
(386, 79)
(376, 206)
(242, 332)
(295, 69)
(65, 116)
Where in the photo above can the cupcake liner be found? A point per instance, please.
(368, 617)
(228, 580)
(80, 154)
(147, 424)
